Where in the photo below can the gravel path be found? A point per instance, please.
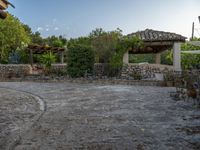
(96, 117)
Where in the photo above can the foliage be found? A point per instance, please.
(104, 44)
(47, 59)
(150, 58)
(188, 86)
(122, 47)
(12, 36)
(169, 76)
(167, 58)
(80, 60)
(14, 58)
(97, 33)
(190, 60)
(56, 41)
(36, 38)
(79, 41)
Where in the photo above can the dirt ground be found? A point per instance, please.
(67, 116)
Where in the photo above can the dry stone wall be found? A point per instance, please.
(146, 71)
(12, 70)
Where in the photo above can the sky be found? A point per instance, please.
(74, 18)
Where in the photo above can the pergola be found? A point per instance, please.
(36, 49)
(155, 42)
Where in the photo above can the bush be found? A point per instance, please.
(48, 59)
(80, 60)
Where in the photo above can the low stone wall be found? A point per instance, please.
(101, 69)
(59, 67)
(144, 71)
(12, 70)
(130, 71)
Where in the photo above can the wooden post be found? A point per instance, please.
(62, 57)
(31, 57)
(158, 58)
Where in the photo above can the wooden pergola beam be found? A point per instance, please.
(36, 49)
(3, 5)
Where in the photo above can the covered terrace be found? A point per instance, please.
(155, 42)
(36, 49)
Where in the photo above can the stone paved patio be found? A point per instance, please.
(95, 117)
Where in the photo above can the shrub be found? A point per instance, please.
(47, 59)
(80, 60)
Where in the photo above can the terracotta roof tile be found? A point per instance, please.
(150, 35)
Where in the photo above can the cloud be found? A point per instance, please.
(47, 29)
(40, 29)
(56, 28)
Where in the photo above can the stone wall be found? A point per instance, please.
(137, 71)
(144, 71)
(59, 67)
(101, 69)
(130, 71)
(12, 70)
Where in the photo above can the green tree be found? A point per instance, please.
(138, 58)
(190, 60)
(12, 36)
(37, 39)
(167, 57)
(80, 60)
(96, 33)
(55, 41)
(122, 47)
(79, 41)
(104, 44)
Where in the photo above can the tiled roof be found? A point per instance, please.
(150, 35)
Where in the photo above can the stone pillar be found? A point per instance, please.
(62, 57)
(126, 58)
(177, 56)
(158, 58)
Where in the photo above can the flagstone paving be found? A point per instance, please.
(95, 117)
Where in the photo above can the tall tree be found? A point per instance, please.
(37, 39)
(104, 43)
(12, 36)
